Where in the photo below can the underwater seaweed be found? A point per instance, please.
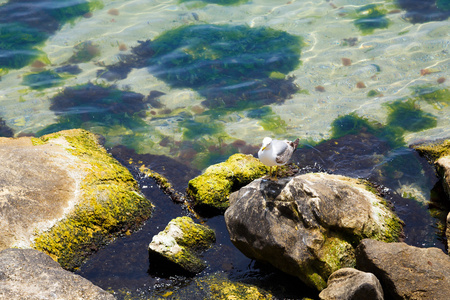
(84, 52)
(408, 116)
(371, 17)
(42, 80)
(25, 25)
(422, 11)
(91, 107)
(231, 66)
(403, 116)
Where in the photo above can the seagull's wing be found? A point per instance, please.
(283, 151)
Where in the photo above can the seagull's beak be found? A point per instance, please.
(263, 148)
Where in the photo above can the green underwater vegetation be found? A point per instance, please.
(25, 25)
(422, 11)
(371, 17)
(408, 116)
(42, 80)
(97, 108)
(268, 119)
(403, 116)
(231, 66)
(436, 96)
(84, 52)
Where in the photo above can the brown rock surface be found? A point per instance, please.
(406, 272)
(30, 274)
(35, 187)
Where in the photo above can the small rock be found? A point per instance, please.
(406, 272)
(175, 248)
(210, 191)
(352, 284)
(31, 274)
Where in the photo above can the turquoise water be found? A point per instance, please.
(196, 81)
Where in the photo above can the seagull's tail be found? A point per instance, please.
(295, 143)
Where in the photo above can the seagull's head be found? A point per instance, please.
(266, 142)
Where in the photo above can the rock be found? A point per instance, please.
(309, 225)
(175, 248)
(210, 191)
(438, 153)
(218, 286)
(406, 272)
(31, 274)
(443, 169)
(352, 284)
(65, 195)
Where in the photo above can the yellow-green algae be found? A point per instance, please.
(181, 248)
(434, 150)
(211, 190)
(109, 203)
(217, 286)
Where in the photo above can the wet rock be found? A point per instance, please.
(65, 195)
(31, 274)
(349, 283)
(175, 248)
(210, 191)
(438, 153)
(406, 272)
(309, 225)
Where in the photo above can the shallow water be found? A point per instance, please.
(356, 81)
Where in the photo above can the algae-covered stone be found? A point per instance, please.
(104, 201)
(218, 286)
(176, 247)
(210, 191)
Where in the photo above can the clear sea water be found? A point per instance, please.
(197, 81)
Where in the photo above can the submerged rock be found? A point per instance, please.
(349, 283)
(211, 190)
(309, 225)
(30, 274)
(175, 248)
(406, 272)
(65, 195)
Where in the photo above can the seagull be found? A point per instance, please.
(276, 152)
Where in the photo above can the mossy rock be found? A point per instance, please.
(217, 286)
(175, 249)
(433, 150)
(211, 190)
(108, 201)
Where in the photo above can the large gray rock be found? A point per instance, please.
(308, 225)
(406, 272)
(28, 274)
(352, 284)
(65, 195)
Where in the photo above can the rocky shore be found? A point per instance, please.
(64, 197)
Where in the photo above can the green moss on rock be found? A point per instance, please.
(109, 203)
(176, 247)
(217, 286)
(434, 150)
(211, 190)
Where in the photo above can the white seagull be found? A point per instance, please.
(276, 152)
